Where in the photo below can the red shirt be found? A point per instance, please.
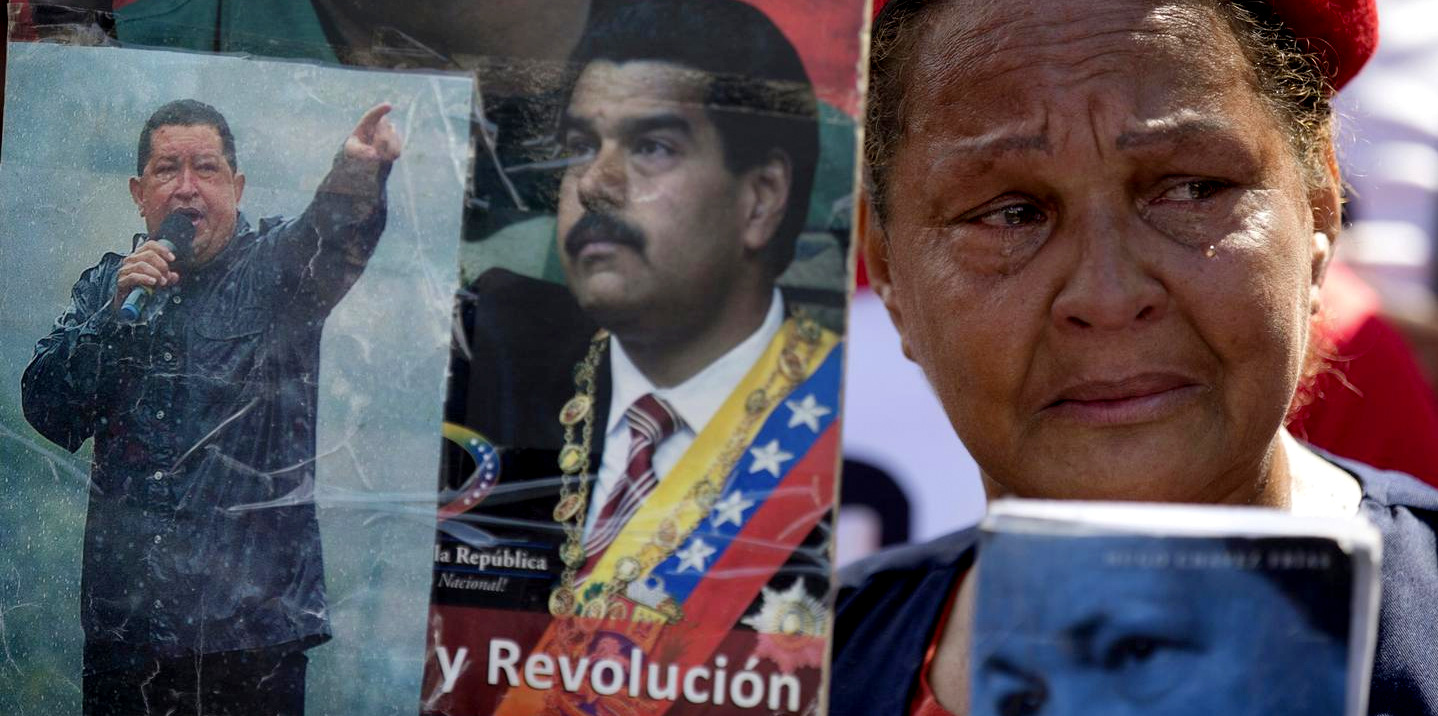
(1373, 403)
(924, 703)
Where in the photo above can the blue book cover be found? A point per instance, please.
(1128, 609)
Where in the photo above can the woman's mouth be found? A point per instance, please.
(1127, 401)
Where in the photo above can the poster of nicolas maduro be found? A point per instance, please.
(643, 418)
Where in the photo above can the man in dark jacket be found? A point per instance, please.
(202, 570)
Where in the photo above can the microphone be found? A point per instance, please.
(176, 234)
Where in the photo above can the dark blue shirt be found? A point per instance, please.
(890, 604)
(201, 534)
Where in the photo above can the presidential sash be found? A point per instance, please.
(686, 567)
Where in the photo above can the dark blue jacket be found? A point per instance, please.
(201, 534)
(890, 603)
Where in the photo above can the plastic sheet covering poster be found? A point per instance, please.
(223, 347)
(643, 417)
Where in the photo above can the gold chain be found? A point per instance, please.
(574, 463)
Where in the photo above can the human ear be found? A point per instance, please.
(767, 197)
(239, 187)
(1326, 203)
(874, 248)
(137, 194)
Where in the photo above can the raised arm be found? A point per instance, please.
(325, 251)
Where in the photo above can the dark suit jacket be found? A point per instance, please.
(511, 372)
(525, 336)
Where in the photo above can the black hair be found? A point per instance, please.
(185, 113)
(759, 98)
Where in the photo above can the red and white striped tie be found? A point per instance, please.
(651, 420)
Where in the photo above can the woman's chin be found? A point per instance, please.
(1157, 462)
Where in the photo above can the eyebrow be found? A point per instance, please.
(1178, 131)
(1171, 132)
(990, 146)
(632, 126)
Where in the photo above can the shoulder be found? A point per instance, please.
(885, 616)
(268, 224)
(1392, 490)
(900, 564)
(502, 297)
(895, 575)
(1405, 511)
(499, 284)
(102, 273)
(109, 262)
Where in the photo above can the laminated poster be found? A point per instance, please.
(224, 336)
(641, 431)
(1106, 608)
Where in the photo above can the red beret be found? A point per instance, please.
(1344, 33)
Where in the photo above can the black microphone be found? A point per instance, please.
(176, 234)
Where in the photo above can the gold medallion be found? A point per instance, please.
(572, 554)
(616, 611)
(596, 608)
(756, 402)
(571, 458)
(706, 494)
(627, 569)
(671, 610)
(667, 536)
(567, 508)
(576, 410)
(561, 602)
(809, 330)
(791, 365)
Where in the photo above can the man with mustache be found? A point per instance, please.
(203, 583)
(691, 137)
(687, 186)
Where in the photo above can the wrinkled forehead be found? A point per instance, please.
(1026, 56)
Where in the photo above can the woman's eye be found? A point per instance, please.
(1195, 190)
(1014, 215)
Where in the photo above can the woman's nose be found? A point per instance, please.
(1110, 286)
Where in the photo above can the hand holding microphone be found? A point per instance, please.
(151, 266)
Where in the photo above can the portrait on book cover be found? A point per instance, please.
(1163, 624)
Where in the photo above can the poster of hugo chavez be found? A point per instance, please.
(642, 424)
(222, 366)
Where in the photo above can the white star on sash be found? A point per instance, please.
(731, 510)
(769, 458)
(807, 412)
(693, 556)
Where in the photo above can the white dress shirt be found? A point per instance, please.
(695, 401)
